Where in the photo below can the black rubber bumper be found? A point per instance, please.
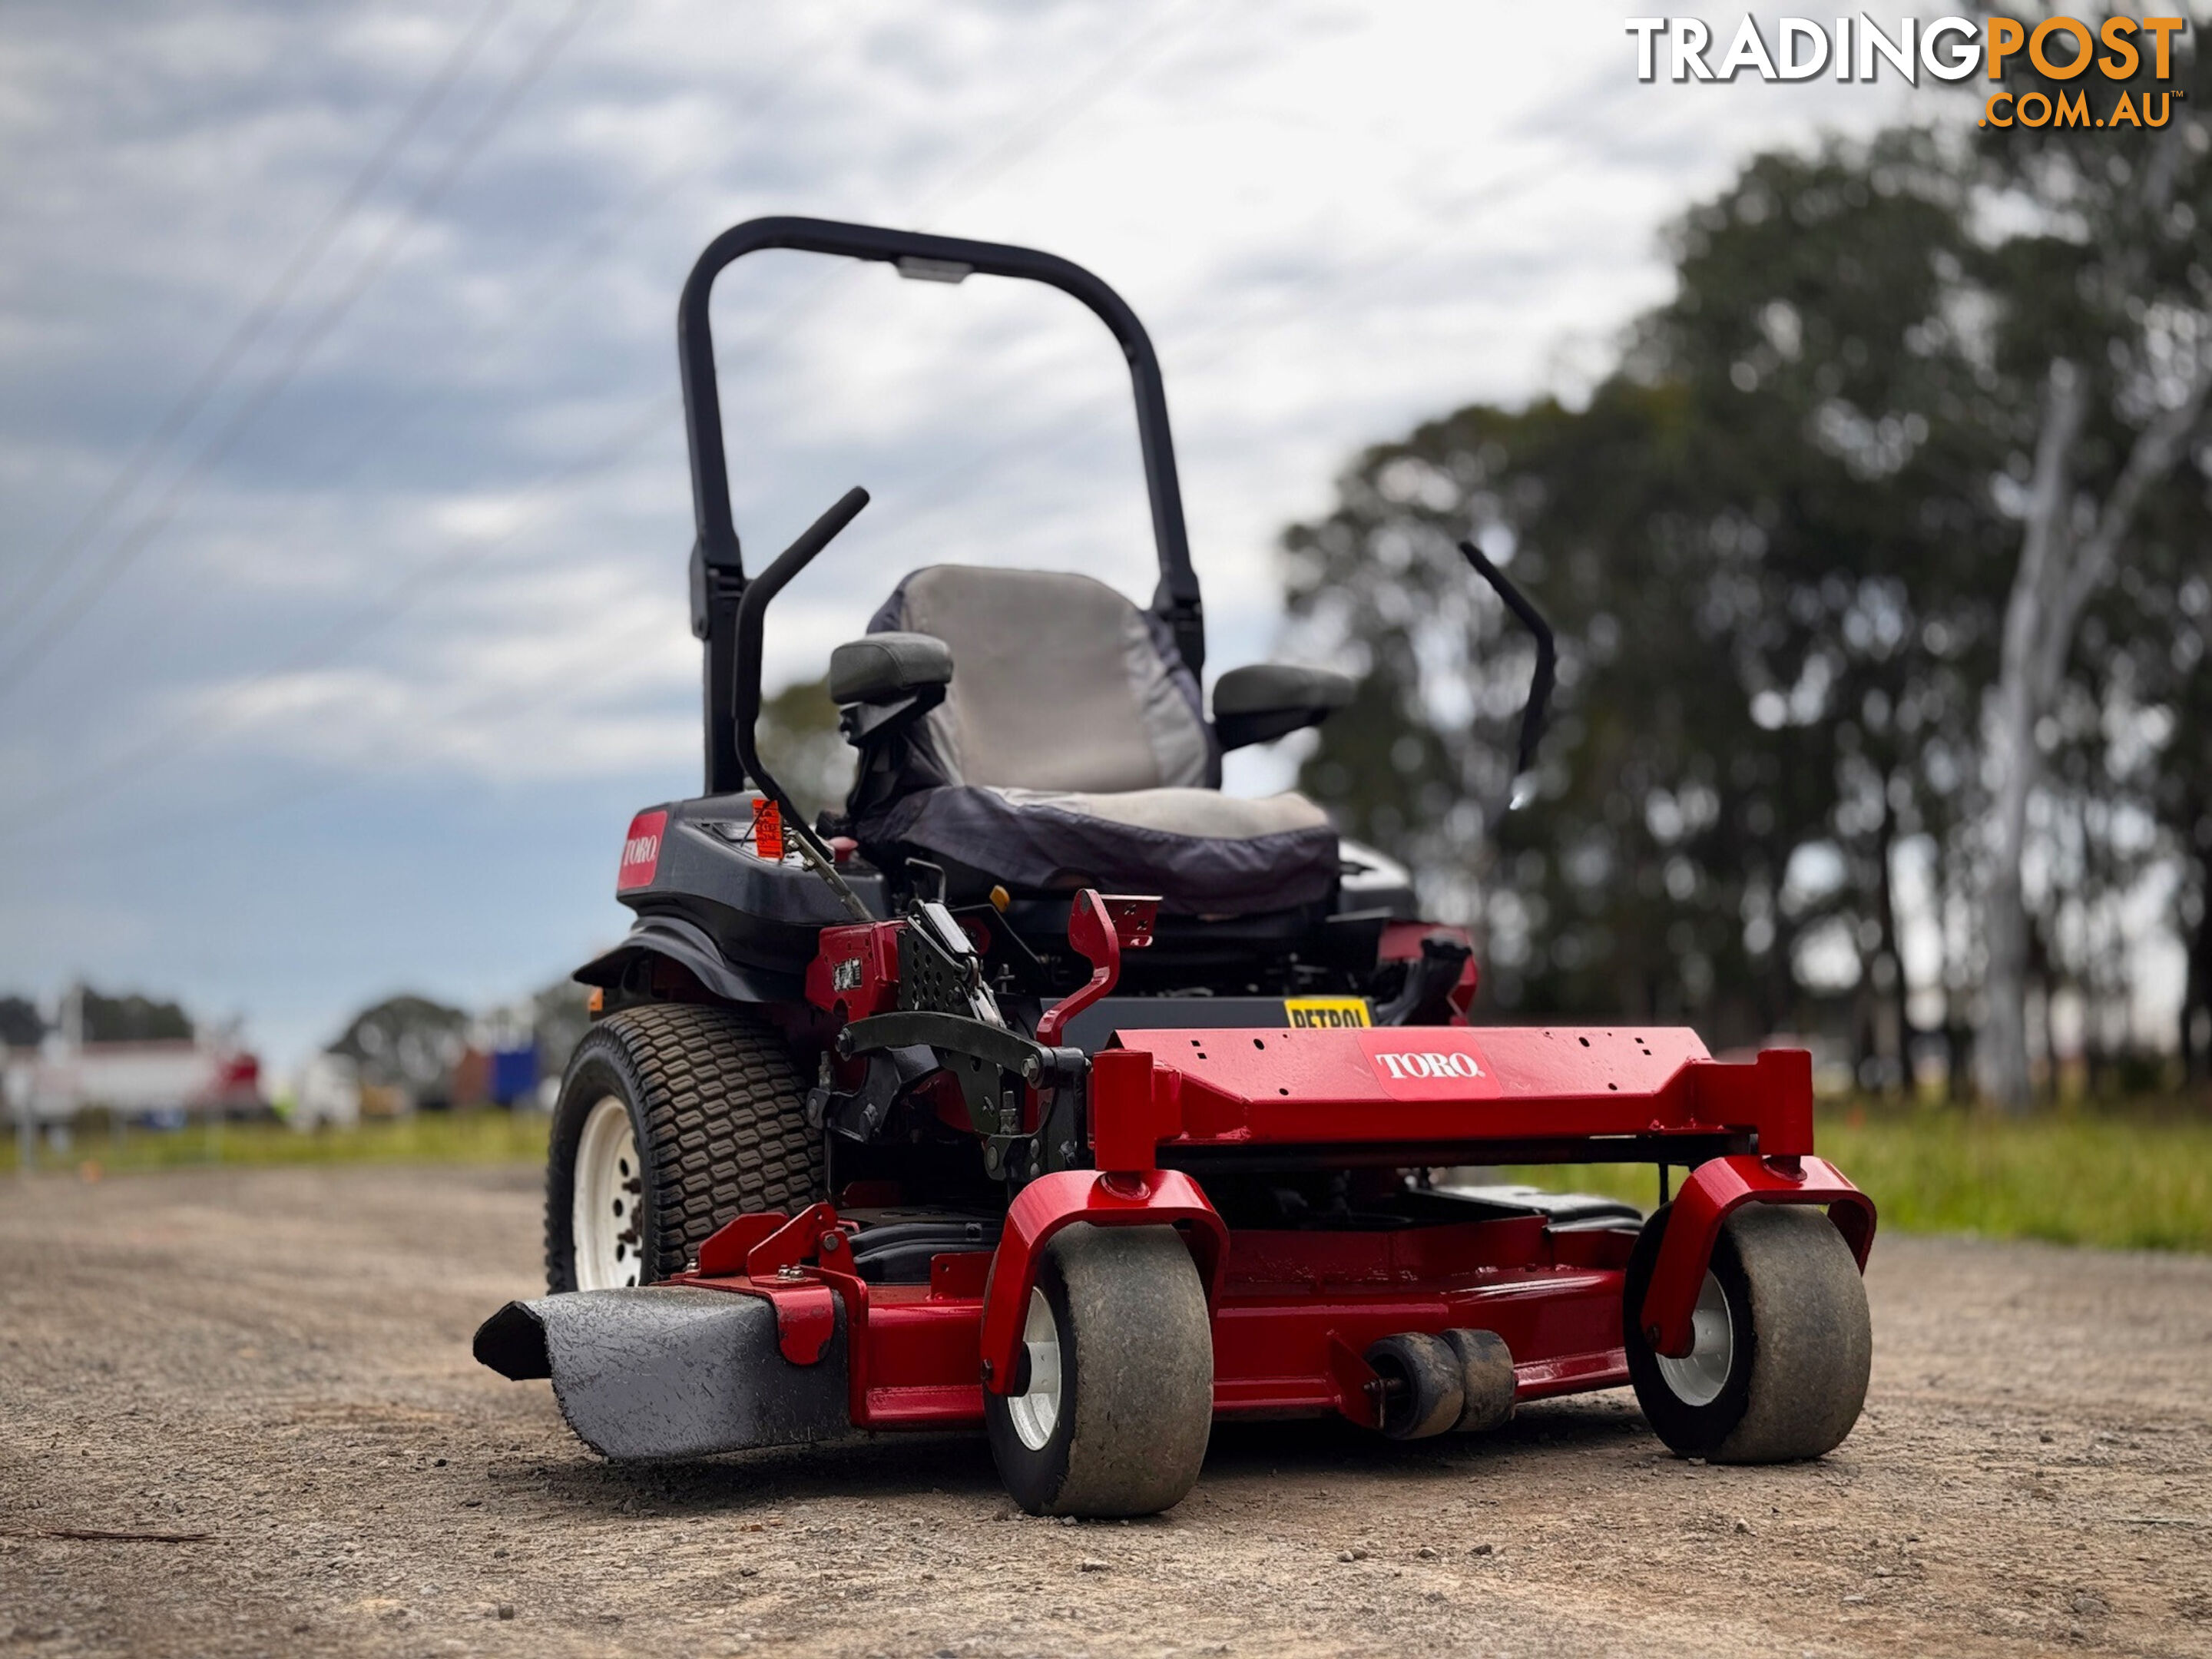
(664, 1371)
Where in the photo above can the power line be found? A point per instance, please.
(250, 329)
(194, 730)
(1031, 135)
(333, 312)
(198, 726)
(601, 239)
(936, 494)
(593, 245)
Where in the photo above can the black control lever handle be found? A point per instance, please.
(1539, 683)
(752, 610)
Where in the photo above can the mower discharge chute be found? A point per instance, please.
(913, 1118)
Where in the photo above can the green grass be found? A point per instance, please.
(2138, 1179)
(485, 1137)
(2129, 1179)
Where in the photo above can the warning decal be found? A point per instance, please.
(1326, 1013)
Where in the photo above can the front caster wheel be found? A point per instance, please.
(1118, 1398)
(1783, 1347)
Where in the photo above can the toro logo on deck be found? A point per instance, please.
(1429, 1063)
(641, 854)
(1425, 1065)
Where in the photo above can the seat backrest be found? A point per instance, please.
(1058, 682)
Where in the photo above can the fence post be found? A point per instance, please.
(27, 1132)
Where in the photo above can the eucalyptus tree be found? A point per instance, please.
(1766, 541)
(2102, 325)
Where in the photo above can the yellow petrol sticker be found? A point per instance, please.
(1326, 1012)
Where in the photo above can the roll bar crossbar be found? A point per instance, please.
(718, 574)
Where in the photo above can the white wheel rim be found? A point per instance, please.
(1698, 1376)
(1037, 1413)
(607, 1217)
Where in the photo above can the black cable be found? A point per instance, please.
(198, 726)
(194, 730)
(256, 322)
(362, 444)
(333, 312)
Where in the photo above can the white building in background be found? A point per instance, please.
(55, 1083)
(65, 1075)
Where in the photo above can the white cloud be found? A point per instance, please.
(1335, 221)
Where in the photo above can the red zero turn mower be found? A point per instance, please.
(908, 1121)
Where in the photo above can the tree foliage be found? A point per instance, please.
(407, 1042)
(22, 1025)
(560, 1017)
(1776, 543)
(801, 744)
(131, 1017)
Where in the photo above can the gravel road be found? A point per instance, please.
(279, 1360)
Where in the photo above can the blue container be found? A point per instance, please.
(514, 1074)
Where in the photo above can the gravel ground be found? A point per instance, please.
(278, 1359)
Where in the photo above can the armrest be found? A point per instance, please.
(1267, 700)
(886, 667)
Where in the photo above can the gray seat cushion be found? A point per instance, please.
(1204, 852)
(1058, 682)
(1072, 750)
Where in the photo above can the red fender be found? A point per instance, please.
(1154, 1198)
(1714, 1190)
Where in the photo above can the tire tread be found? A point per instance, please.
(724, 1107)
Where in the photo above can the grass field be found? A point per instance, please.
(2127, 1179)
(2134, 1179)
(486, 1137)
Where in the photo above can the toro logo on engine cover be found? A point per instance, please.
(641, 854)
(1429, 1063)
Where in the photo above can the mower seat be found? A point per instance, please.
(1072, 750)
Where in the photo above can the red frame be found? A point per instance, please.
(1213, 1091)
(1293, 1313)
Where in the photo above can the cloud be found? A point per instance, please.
(454, 547)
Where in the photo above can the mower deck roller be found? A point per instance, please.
(896, 1121)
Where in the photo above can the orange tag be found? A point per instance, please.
(768, 830)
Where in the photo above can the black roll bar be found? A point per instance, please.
(718, 576)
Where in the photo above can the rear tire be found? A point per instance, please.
(1119, 1396)
(716, 1114)
(1784, 1341)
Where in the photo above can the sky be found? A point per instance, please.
(343, 608)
